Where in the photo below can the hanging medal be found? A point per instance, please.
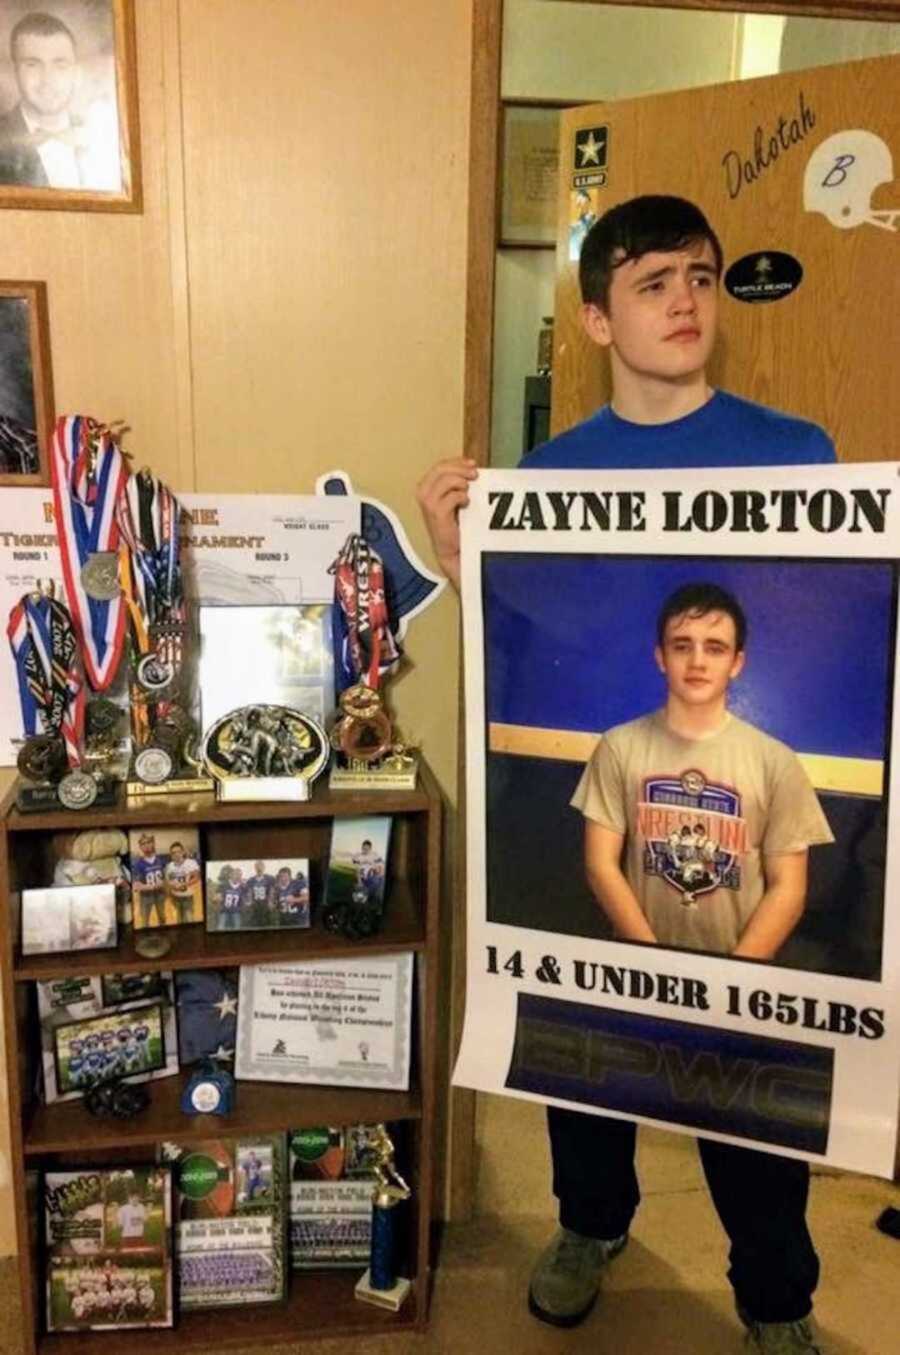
(151, 575)
(89, 476)
(51, 689)
(368, 649)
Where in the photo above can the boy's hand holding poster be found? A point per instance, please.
(683, 840)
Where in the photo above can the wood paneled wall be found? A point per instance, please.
(827, 351)
(293, 297)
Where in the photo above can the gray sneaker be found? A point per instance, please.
(782, 1338)
(566, 1280)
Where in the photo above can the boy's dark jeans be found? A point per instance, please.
(760, 1199)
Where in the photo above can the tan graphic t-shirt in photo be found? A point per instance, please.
(699, 816)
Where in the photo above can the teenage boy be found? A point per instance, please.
(148, 882)
(182, 879)
(649, 273)
(697, 824)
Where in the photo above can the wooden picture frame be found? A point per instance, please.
(96, 160)
(26, 384)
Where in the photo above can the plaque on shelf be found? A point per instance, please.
(344, 1023)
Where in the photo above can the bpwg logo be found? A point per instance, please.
(766, 1089)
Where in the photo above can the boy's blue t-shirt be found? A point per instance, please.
(726, 431)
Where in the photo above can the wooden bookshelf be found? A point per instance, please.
(320, 1303)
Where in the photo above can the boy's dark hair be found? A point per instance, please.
(38, 25)
(635, 228)
(698, 599)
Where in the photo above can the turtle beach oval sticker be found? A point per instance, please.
(767, 275)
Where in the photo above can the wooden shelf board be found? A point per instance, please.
(320, 1304)
(204, 808)
(195, 948)
(260, 1108)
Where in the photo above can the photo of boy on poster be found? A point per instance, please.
(553, 670)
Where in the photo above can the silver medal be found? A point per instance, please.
(100, 576)
(77, 790)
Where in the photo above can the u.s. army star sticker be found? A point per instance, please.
(590, 147)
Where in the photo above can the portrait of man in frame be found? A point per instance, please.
(68, 105)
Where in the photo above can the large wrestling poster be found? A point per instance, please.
(564, 576)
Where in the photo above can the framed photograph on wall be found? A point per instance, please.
(529, 170)
(69, 135)
(26, 384)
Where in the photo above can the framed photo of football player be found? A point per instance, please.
(257, 895)
(69, 135)
(26, 384)
(166, 876)
(357, 869)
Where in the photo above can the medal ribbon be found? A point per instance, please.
(45, 649)
(369, 649)
(147, 515)
(89, 477)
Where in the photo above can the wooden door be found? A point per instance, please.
(798, 165)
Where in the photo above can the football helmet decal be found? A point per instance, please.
(841, 177)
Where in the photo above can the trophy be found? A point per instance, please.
(381, 1285)
(265, 752)
(368, 756)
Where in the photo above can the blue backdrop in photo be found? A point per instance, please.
(569, 643)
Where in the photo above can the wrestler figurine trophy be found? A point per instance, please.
(265, 752)
(368, 756)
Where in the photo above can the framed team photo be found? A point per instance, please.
(88, 998)
(166, 876)
(102, 1048)
(108, 1235)
(230, 1234)
(69, 134)
(257, 895)
(683, 828)
(26, 384)
(66, 918)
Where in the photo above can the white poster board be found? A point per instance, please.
(238, 549)
(564, 573)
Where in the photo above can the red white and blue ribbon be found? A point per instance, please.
(147, 514)
(366, 648)
(89, 475)
(45, 649)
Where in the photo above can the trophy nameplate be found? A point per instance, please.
(176, 785)
(398, 771)
(256, 788)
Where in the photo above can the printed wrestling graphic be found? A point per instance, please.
(694, 834)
